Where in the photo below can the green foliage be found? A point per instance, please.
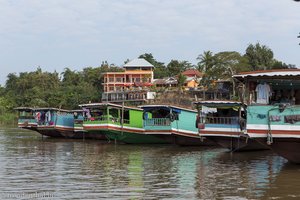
(45, 89)
(260, 57)
(206, 61)
(176, 67)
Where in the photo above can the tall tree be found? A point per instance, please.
(206, 61)
(176, 67)
(260, 56)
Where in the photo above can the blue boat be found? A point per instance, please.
(26, 118)
(224, 123)
(54, 122)
(273, 111)
(174, 124)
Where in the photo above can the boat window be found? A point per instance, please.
(126, 117)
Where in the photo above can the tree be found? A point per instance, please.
(176, 67)
(260, 57)
(206, 61)
(181, 80)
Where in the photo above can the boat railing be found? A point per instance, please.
(115, 120)
(221, 120)
(157, 122)
(24, 117)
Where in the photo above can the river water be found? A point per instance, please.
(36, 168)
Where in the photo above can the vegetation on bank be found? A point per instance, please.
(70, 88)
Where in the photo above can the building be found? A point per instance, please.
(169, 82)
(131, 85)
(193, 78)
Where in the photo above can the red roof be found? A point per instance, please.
(192, 73)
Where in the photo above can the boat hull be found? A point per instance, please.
(50, 132)
(241, 143)
(192, 141)
(289, 148)
(137, 138)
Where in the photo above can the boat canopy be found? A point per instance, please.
(219, 104)
(165, 107)
(102, 105)
(28, 109)
(269, 74)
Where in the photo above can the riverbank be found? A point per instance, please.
(8, 119)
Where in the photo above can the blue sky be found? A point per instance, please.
(74, 33)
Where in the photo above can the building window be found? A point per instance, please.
(137, 80)
(111, 88)
(119, 80)
(111, 79)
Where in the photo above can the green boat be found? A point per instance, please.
(116, 122)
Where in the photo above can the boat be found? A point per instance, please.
(54, 122)
(26, 118)
(174, 124)
(224, 123)
(116, 122)
(273, 111)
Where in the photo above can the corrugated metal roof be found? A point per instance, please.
(138, 62)
(91, 105)
(166, 106)
(269, 73)
(192, 72)
(218, 103)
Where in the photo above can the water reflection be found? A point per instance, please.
(73, 169)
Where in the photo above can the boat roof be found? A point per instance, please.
(51, 109)
(41, 108)
(24, 108)
(218, 103)
(99, 105)
(166, 106)
(276, 73)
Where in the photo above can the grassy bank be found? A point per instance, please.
(8, 118)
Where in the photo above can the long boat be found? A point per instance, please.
(224, 123)
(273, 112)
(54, 122)
(116, 122)
(174, 124)
(26, 118)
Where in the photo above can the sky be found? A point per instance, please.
(57, 34)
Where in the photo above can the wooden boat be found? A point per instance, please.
(116, 122)
(224, 123)
(54, 122)
(273, 112)
(174, 124)
(26, 118)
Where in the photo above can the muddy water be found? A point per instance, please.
(32, 167)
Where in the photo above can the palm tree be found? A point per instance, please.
(206, 61)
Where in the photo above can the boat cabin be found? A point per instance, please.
(220, 114)
(54, 117)
(166, 117)
(109, 113)
(274, 99)
(271, 87)
(26, 118)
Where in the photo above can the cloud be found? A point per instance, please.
(74, 33)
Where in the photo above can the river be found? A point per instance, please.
(32, 167)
